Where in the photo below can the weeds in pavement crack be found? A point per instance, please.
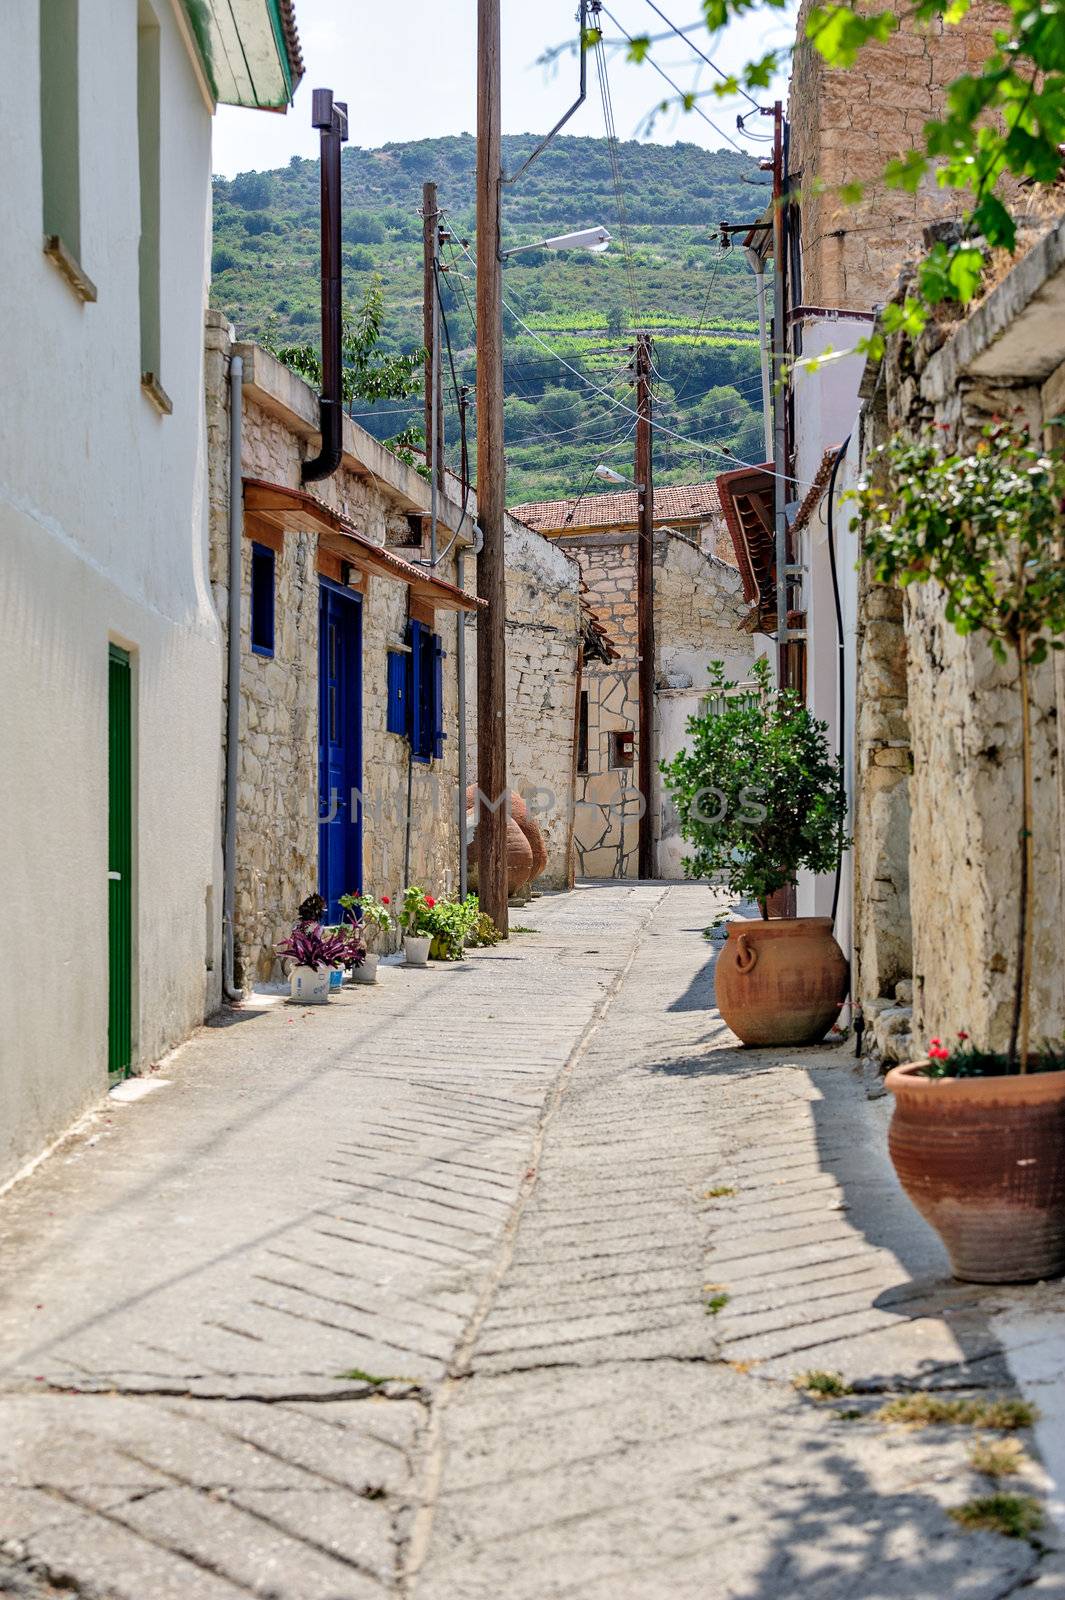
(822, 1385)
(932, 1410)
(997, 1458)
(1015, 1516)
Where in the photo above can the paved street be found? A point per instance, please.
(492, 1281)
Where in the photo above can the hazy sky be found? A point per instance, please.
(408, 72)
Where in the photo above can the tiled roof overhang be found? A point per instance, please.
(283, 510)
(812, 498)
(747, 502)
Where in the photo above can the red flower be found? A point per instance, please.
(429, 900)
(962, 1034)
(937, 1053)
(935, 1041)
(385, 901)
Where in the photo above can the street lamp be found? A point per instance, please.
(608, 475)
(594, 239)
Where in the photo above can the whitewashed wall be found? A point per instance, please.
(102, 537)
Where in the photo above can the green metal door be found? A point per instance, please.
(119, 864)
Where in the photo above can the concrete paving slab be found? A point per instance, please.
(434, 1292)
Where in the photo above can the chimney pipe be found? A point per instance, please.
(331, 118)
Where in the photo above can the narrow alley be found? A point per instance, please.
(500, 1288)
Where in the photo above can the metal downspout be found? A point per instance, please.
(460, 676)
(236, 538)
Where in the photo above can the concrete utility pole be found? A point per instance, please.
(491, 484)
(645, 601)
(434, 408)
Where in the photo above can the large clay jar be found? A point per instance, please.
(531, 829)
(526, 852)
(983, 1160)
(519, 858)
(781, 982)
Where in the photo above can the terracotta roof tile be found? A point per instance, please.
(684, 502)
(816, 490)
(292, 41)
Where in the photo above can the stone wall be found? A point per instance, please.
(959, 708)
(606, 827)
(846, 124)
(698, 609)
(543, 637)
(277, 829)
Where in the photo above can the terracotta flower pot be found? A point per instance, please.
(782, 981)
(983, 1160)
(531, 829)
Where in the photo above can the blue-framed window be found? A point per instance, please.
(397, 720)
(416, 693)
(262, 599)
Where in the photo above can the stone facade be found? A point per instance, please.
(698, 609)
(543, 639)
(277, 826)
(846, 124)
(958, 708)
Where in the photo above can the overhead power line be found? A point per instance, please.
(680, 93)
(682, 33)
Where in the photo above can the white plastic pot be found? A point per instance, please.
(416, 949)
(310, 985)
(367, 972)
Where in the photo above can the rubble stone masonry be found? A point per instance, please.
(846, 124)
(277, 830)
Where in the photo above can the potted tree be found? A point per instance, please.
(978, 1136)
(371, 917)
(760, 799)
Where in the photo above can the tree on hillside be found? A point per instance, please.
(369, 374)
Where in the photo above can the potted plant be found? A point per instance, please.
(450, 925)
(371, 917)
(760, 799)
(314, 950)
(978, 1137)
(414, 920)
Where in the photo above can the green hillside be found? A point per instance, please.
(577, 309)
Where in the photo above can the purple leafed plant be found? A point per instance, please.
(310, 945)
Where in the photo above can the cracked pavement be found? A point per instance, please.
(492, 1280)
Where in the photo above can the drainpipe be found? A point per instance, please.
(757, 266)
(332, 122)
(236, 536)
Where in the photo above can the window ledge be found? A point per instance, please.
(157, 394)
(70, 267)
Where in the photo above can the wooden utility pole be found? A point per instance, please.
(645, 601)
(491, 484)
(780, 425)
(431, 331)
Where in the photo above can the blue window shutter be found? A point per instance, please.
(419, 730)
(438, 697)
(397, 721)
(262, 600)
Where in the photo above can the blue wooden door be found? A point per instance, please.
(339, 744)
